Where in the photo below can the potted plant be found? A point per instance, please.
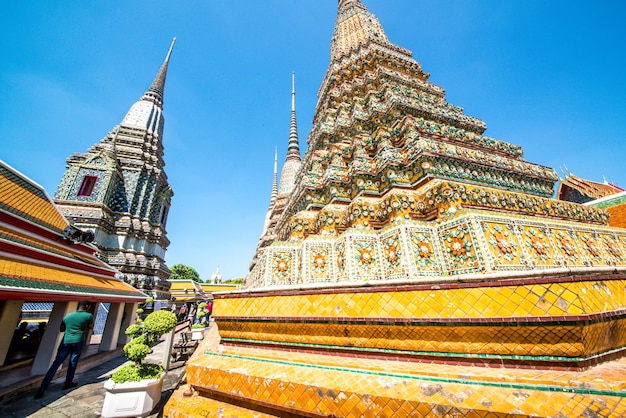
(197, 330)
(135, 388)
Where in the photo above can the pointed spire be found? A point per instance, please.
(270, 209)
(275, 182)
(156, 89)
(346, 2)
(293, 161)
(293, 149)
(355, 26)
(147, 112)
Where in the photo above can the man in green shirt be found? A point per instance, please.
(75, 326)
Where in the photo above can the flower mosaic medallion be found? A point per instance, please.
(591, 245)
(365, 257)
(393, 254)
(611, 244)
(282, 267)
(538, 248)
(460, 248)
(318, 256)
(565, 244)
(424, 257)
(503, 244)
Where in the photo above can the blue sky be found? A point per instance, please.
(546, 75)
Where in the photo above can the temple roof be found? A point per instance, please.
(190, 291)
(579, 190)
(37, 261)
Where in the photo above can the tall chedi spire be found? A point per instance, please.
(119, 190)
(268, 215)
(410, 238)
(388, 153)
(292, 160)
(288, 173)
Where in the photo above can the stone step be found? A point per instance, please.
(305, 384)
(181, 406)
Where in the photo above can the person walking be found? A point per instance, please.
(75, 325)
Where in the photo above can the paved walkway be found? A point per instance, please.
(87, 398)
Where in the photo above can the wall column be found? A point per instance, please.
(52, 337)
(111, 332)
(9, 316)
(129, 317)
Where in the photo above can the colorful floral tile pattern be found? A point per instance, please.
(283, 265)
(366, 257)
(319, 262)
(504, 245)
(460, 248)
(426, 253)
(466, 242)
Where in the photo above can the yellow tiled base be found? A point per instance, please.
(261, 364)
(321, 385)
(552, 319)
(181, 406)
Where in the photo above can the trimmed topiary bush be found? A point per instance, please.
(202, 313)
(144, 335)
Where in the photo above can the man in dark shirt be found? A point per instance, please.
(75, 325)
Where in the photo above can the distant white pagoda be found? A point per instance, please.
(216, 278)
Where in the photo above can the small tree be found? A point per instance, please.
(183, 272)
(144, 335)
(202, 313)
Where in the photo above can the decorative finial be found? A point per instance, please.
(275, 180)
(169, 53)
(155, 91)
(293, 91)
(293, 149)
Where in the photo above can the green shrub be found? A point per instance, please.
(160, 322)
(134, 330)
(144, 335)
(134, 373)
(202, 313)
(196, 326)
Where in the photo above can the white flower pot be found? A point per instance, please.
(131, 399)
(197, 333)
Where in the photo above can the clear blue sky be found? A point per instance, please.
(546, 75)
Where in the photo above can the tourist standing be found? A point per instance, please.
(75, 325)
(182, 314)
(192, 313)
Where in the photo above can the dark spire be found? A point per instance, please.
(155, 91)
(292, 160)
(293, 149)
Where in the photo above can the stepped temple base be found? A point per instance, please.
(547, 344)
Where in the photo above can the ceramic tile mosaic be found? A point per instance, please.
(542, 321)
(283, 265)
(461, 288)
(426, 253)
(469, 243)
(353, 387)
(318, 261)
